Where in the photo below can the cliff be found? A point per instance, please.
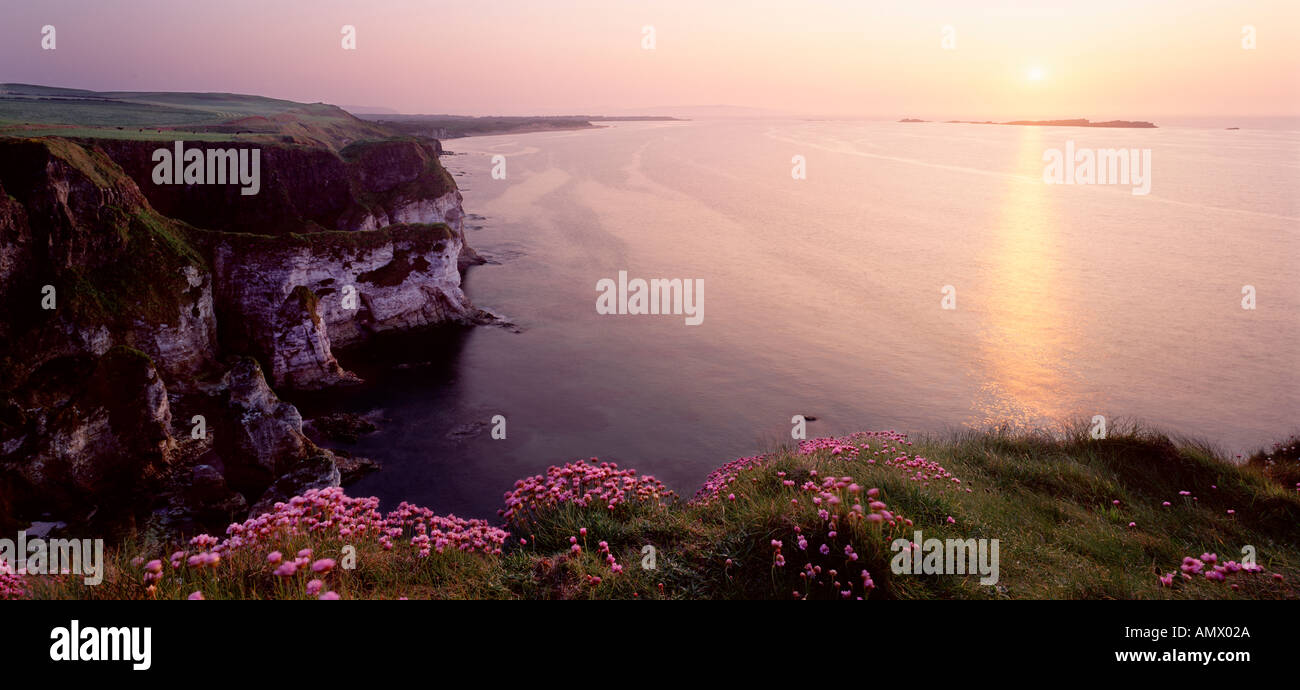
(170, 301)
(364, 186)
(290, 299)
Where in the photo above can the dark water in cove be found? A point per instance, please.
(823, 297)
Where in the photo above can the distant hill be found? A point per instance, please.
(451, 126)
(368, 110)
(33, 110)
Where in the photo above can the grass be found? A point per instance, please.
(1049, 499)
(29, 110)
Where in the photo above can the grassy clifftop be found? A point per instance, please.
(30, 110)
(1135, 515)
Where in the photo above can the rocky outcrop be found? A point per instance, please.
(289, 297)
(291, 300)
(101, 441)
(297, 344)
(260, 439)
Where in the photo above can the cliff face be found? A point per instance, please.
(121, 274)
(155, 286)
(290, 300)
(303, 189)
(365, 277)
(109, 438)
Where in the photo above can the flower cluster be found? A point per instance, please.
(721, 478)
(333, 512)
(329, 512)
(1209, 567)
(832, 569)
(11, 582)
(871, 446)
(583, 484)
(847, 514)
(612, 562)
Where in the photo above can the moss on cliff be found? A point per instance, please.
(93, 164)
(307, 300)
(138, 276)
(146, 283)
(394, 170)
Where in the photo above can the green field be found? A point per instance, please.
(28, 110)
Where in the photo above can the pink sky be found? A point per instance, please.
(1101, 59)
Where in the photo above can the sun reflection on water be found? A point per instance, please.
(1025, 332)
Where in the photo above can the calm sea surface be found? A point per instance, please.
(823, 297)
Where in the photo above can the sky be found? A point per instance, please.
(934, 59)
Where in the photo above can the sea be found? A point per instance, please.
(865, 275)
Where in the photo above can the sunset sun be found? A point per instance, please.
(1036, 73)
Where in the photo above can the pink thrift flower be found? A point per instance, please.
(314, 587)
(329, 596)
(324, 565)
(195, 596)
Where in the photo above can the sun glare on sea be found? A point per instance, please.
(1036, 74)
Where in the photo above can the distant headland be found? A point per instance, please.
(453, 126)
